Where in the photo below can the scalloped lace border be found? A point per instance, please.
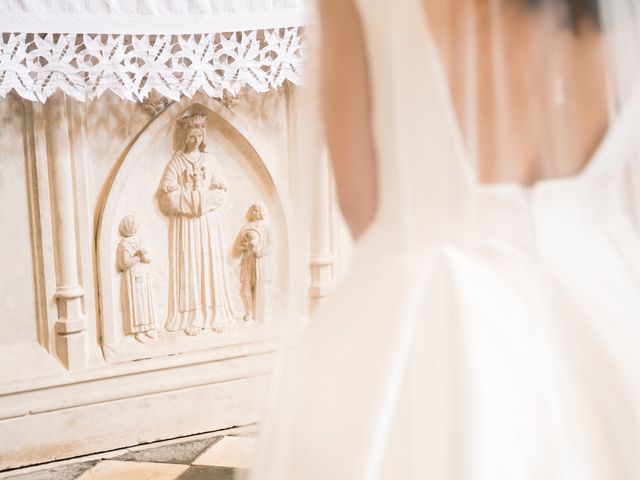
(84, 66)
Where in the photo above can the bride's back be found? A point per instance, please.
(487, 326)
(442, 96)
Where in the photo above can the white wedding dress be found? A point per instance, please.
(483, 332)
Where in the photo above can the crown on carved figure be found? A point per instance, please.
(196, 120)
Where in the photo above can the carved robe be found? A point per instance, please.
(137, 304)
(201, 291)
(256, 267)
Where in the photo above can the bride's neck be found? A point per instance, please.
(538, 102)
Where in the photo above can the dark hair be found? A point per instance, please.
(577, 10)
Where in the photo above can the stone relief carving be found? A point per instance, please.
(189, 179)
(136, 299)
(254, 243)
(155, 103)
(229, 100)
(192, 194)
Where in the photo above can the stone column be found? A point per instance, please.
(70, 329)
(322, 260)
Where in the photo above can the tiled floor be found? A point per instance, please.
(213, 458)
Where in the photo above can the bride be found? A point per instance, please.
(486, 159)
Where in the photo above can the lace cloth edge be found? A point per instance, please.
(131, 66)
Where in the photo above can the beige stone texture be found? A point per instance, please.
(77, 376)
(112, 469)
(234, 452)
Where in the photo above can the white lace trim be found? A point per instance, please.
(85, 66)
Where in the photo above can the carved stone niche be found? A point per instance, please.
(182, 211)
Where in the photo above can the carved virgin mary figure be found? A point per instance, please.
(192, 193)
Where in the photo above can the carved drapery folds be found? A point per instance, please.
(87, 245)
(212, 216)
(255, 244)
(201, 193)
(192, 194)
(136, 298)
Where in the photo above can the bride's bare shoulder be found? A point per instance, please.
(347, 111)
(332, 7)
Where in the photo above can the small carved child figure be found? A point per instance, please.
(136, 300)
(256, 269)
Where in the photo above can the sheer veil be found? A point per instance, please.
(507, 228)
